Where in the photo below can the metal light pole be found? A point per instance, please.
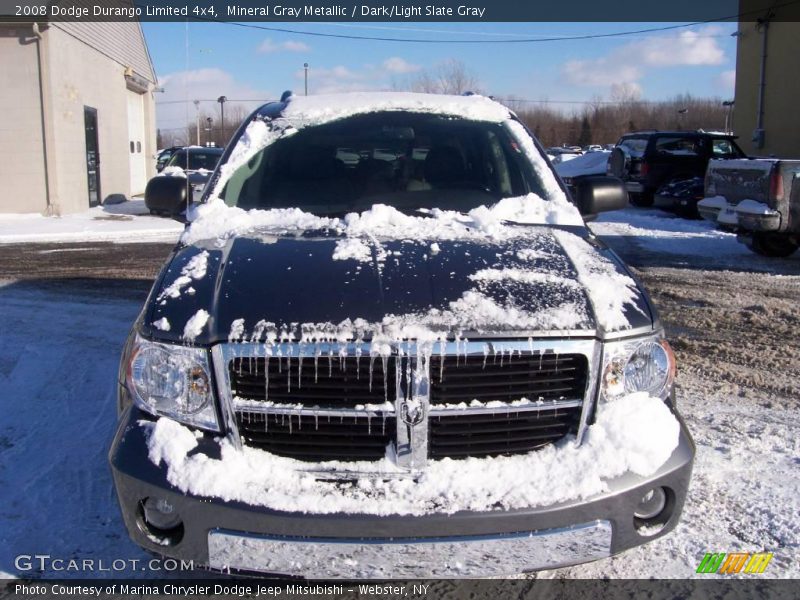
(681, 113)
(305, 69)
(729, 104)
(222, 100)
(197, 119)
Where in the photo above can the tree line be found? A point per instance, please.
(597, 121)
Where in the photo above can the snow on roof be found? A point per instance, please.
(328, 107)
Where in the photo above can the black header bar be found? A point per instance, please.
(400, 11)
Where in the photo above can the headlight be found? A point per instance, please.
(172, 381)
(641, 365)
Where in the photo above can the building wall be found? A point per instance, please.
(21, 150)
(79, 68)
(782, 91)
(81, 77)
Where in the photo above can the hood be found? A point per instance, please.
(526, 285)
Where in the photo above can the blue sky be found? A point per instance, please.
(251, 64)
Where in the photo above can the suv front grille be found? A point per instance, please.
(507, 378)
(317, 437)
(324, 381)
(475, 403)
(464, 434)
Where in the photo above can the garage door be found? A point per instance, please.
(136, 148)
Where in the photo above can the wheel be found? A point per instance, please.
(642, 200)
(773, 245)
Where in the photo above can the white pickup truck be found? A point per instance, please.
(757, 198)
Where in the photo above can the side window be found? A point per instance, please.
(678, 146)
(721, 148)
(636, 146)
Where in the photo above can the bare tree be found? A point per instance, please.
(449, 77)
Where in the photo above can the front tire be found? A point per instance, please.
(642, 200)
(773, 245)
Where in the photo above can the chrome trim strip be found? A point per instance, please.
(547, 406)
(220, 358)
(311, 411)
(590, 397)
(409, 558)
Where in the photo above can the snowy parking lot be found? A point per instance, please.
(731, 316)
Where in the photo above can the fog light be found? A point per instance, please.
(159, 513)
(160, 522)
(651, 504)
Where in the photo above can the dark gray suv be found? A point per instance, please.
(415, 362)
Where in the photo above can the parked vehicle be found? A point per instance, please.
(681, 196)
(189, 167)
(561, 154)
(647, 160)
(588, 165)
(757, 198)
(399, 372)
(163, 156)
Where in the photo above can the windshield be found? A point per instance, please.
(401, 159)
(194, 160)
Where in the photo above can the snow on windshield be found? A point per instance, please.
(216, 220)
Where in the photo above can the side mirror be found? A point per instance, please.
(168, 195)
(598, 194)
(160, 166)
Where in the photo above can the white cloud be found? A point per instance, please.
(399, 66)
(689, 48)
(628, 63)
(600, 72)
(726, 81)
(173, 111)
(322, 80)
(269, 47)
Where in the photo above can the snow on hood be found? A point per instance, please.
(385, 281)
(636, 433)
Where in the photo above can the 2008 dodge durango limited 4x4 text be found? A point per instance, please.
(387, 346)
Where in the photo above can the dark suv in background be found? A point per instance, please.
(648, 160)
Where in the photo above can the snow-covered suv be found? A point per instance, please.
(418, 363)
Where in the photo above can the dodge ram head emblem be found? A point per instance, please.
(412, 413)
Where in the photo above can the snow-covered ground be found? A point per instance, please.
(731, 316)
(127, 222)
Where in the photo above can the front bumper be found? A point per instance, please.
(236, 536)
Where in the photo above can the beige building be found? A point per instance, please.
(767, 117)
(77, 115)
